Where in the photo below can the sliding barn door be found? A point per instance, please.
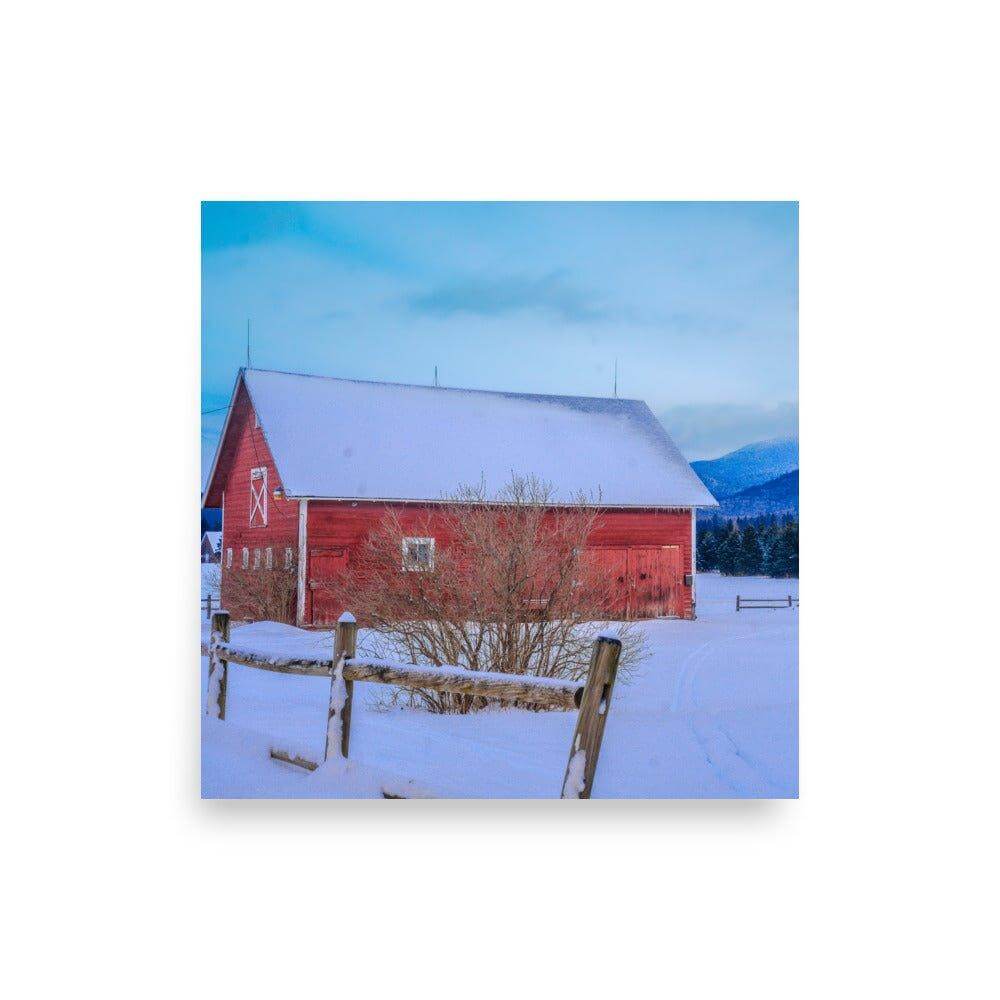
(656, 576)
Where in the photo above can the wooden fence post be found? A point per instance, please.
(737, 602)
(594, 707)
(789, 600)
(215, 703)
(338, 719)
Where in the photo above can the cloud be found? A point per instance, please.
(551, 293)
(711, 430)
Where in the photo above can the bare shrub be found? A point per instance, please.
(509, 588)
(260, 594)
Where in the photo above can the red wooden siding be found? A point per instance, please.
(649, 550)
(244, 450)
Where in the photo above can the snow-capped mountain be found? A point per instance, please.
(749, 466)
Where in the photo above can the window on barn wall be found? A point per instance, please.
(267, 557)
(418, 554)
(229, 558)
(288, 558)
(246, 558)
(258, 497)
(256, 558)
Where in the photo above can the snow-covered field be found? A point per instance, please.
(712, 713)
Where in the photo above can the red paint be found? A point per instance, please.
(244, 448)
(647, 550)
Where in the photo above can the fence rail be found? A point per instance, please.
(766, 602)
(592, 698)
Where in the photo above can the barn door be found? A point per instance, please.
(655, 580)
(672, 563)
(612, 564)
(324, 565)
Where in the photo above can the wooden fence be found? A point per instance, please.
(766, 602)
(592, 698)
(206, 603)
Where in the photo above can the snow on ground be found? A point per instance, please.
(712, 713)
(210, 576)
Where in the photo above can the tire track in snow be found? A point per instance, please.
(724, 757)
(693, 662)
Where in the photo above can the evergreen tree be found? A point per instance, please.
(708, 549)
(729, 552)
(783, 559)
(751, 557)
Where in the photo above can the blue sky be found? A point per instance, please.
(698, 301)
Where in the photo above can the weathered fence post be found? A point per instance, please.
(789, 600)
(215, 704)
(208, 608)
(594, 707)
(737, 602)
(338, 719)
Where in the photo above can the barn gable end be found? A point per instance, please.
(244, 481)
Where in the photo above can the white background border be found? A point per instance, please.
(876, 117)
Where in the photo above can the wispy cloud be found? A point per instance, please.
(552, 293)
(711, 430)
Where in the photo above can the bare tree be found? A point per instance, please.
(260, 594)
(507, 586)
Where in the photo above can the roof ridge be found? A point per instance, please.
(446, 388)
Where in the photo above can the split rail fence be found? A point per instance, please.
(766, 602)
(592, 698)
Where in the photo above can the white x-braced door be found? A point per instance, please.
(258, 497)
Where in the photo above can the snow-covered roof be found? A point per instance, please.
(214, 539)
(341, 438)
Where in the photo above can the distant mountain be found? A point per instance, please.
(750, 466)
(777, 496)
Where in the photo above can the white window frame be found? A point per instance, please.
(256, 558)
(246, 557)
(258, 496)
(268, 558)
(288, 557)
(408, 564)
(229, 557)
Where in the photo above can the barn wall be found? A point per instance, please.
(245, 448)
(334, 524)
(624, 528)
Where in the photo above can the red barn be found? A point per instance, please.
(307, 465)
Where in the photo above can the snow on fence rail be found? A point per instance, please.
(592, 698)
(766, 602)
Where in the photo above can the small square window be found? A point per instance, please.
(418, 554)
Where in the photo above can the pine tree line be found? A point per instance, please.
(760, 546)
